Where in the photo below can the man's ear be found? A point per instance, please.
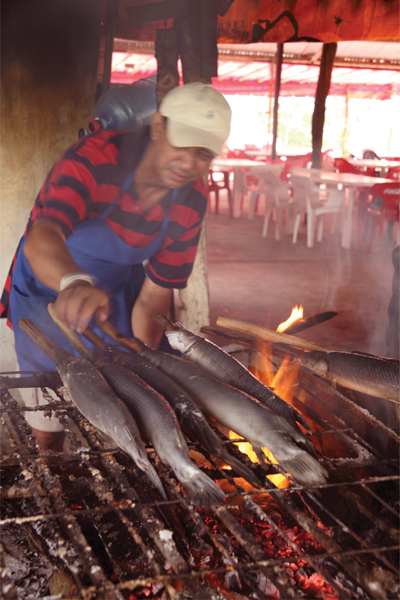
(157, 127)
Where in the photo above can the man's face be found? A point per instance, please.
(177, 167)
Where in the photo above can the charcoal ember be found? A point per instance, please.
(199, 548)
(232, 581)
(270, 534)
(226, 542)
(263, 584)
(279, 542)
(301, 578)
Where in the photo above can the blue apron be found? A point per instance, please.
(98, 251)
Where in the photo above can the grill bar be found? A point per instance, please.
(164, 532)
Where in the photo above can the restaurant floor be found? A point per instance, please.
(260, 280)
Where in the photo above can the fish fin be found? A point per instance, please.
(201, 489)
(298, 418)
(240, 469)
(201, 431)
(259, 453)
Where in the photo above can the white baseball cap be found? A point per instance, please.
(198, 116)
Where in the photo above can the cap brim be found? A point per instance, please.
(187, 136)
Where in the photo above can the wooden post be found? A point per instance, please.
(278, 72)
(111, 16)
(324, 82)
(197, 32)
(345, 134)
(166, 53)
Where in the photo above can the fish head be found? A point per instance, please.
(99, 357)
(63, 359)
(315, 362)
(178, 340)
(112, 351)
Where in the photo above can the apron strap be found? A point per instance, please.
(125, 186)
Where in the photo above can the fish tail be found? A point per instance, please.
(148, 468)
(305, 469)
(201, 489)
(240, 469)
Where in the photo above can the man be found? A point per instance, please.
(113, 201)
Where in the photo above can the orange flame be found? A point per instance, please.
(297, 313)
(245, 447)
(282, 382)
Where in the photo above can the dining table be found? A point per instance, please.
(240, 167)
(381, 165)
(350, 182)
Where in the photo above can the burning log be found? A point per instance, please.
(369, 374)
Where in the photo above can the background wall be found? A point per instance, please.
(49, 56)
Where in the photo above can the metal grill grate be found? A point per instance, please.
(97, 520)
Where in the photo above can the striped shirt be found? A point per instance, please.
(89, 176)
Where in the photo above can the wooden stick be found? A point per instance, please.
(93, 338)
(38, 337)
(70, 334)
(162, 320)
(269, 335)
(268, 348)
(117, 336)
(302, 324)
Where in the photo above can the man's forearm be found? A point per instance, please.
(151, 299)
(48, 255)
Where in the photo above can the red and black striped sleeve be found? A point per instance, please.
(173, 264)
(74, 181)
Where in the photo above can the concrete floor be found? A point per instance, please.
(259, 280)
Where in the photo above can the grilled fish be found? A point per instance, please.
(379, 377)
(225, 367)
(246, 416)
(97, 402)
(158, 423)
(190, 417)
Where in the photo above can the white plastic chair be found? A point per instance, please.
(315, 203)
(277, 195)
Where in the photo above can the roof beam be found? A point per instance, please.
(243, 55)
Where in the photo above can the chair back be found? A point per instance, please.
(292, 162)
(267, 179)
(389, 196)
(237, 153)
(304, 191)
(343, 166)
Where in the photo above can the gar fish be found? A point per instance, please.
(157, 422)
(95, 399)
(225, 367)
(245, 415)
(379, 377)
(190, 417)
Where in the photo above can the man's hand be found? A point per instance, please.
(79, 302)
(46, 251)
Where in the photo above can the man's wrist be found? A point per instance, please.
(72, 277)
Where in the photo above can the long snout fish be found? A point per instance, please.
(191, 419)
(158, 423)
(95, 399)
(225, 367)
(244, 415)
(372, 375)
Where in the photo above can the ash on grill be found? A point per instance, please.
(87, 524)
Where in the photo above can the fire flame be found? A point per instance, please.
(282, 383)
(297, 313)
